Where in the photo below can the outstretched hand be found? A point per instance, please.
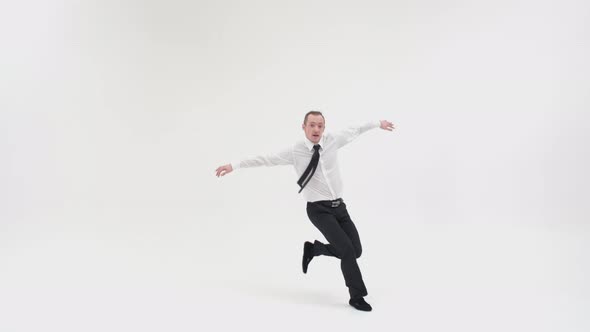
(386, 125)
(222, 170)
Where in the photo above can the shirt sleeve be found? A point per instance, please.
(349, 134)
(283, 157)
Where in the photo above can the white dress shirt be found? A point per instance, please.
(326, 183)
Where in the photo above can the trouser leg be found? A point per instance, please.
(340, 245)
(348, 227)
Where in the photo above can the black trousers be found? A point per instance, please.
(343, 241)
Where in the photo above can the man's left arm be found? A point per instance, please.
(349, 134)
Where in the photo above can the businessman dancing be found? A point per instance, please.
(315, 159)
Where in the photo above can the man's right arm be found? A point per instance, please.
(283, 157)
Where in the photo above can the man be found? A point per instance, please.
(316, 163)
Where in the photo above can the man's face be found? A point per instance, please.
(314, 128)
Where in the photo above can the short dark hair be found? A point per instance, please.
(313, 113)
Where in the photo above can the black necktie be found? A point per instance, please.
(313, 164)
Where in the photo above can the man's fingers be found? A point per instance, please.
(220, 171)
(386, 125)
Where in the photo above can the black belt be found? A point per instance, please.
(334, 204)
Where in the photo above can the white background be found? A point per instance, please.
(474, 213)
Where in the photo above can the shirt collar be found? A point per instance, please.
(309, 144)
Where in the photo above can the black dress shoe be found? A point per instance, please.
(360, 304)
(307, 255)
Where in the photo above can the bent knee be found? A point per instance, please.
(358, 252)
(347, 252)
